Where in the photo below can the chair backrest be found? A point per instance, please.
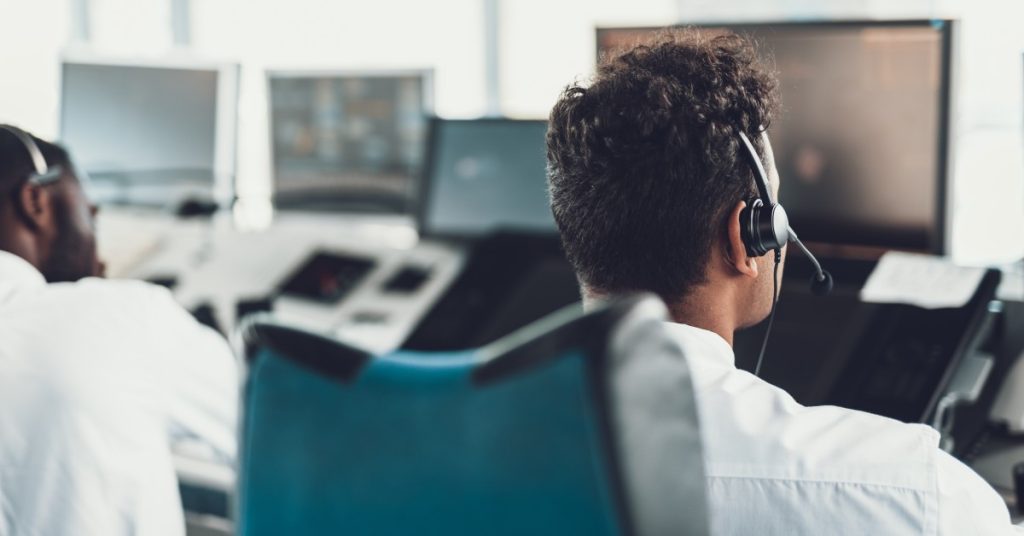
(572, 425)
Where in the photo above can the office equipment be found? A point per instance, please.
(889, 359)
(327, 278)
(964, 388)
(921, 280)
(483, 200)
(508, 280)
(1018, 486)
(151, 134)
(558, 428)
(999, 467)
(407, 280)
(993, 428)
(485, 175)
(350, 141)
(1008, 408)
(206, 487)
(253, 305)
(397, 276)
(862, 145)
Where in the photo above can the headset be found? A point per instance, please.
(764, 227)
(42, 174)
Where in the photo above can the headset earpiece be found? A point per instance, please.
(763, 228)
(748, 233)
(764, 225)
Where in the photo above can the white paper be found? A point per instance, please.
(921, 280)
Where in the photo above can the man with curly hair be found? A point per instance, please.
(648, 181)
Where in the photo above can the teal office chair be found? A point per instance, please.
(576, 424)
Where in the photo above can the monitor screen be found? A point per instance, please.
(350, 142)
(861, 140)
(148, 135)
(486, 175)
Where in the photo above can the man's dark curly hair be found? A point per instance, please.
(644, 163)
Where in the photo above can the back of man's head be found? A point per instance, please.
(644, 163)
(48, 222)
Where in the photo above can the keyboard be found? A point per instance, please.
(327, 277)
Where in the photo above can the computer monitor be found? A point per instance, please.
(151, 134)
(348, 141)
(485, 175)
(862, 140)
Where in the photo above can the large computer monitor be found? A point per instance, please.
(348, 141)
(862, 140)
(151, 134)
(485, 175)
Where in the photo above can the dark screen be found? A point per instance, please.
(487, 175)
(859, 144)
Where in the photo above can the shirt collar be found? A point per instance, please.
(17, 274)
(702, 345)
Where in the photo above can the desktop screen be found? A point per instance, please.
(349, 142)
(860, 143)
(486, 175)
(144, 135)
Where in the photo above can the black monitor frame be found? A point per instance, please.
(427, 182)
(940, 235)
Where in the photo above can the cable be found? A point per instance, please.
(771, 316)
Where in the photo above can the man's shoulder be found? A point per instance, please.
(111, 304)
(756, 430)
(113, 290)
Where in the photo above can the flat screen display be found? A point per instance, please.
(144, 135)
(486, 175)
(861, 140)
(351, 142)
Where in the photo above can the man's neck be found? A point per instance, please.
(698, 310)
(707, 310)
(14, 239)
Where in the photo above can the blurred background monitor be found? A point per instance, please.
(862, 140)
(152, 135)
(485, 175)
(351, 141)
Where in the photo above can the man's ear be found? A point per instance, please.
(736, 251)
(35, 205)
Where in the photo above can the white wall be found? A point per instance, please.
(32, 37)
(545, 44)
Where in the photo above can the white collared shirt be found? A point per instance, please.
(97, 379)
(775, 467)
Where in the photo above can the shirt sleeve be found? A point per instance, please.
(200, 377)
(967, 504)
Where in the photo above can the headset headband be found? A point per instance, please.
(760, 175)
(43, 173)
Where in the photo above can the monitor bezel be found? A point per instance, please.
(225, 160)
(941, 232)
(425, 73)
